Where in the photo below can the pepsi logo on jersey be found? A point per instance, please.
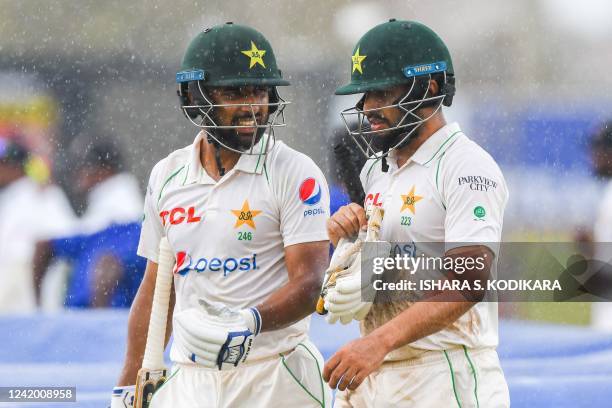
(310, 194)
(179, 215)
(310, 191)
(186, 263)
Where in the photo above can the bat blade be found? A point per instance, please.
(153, 373)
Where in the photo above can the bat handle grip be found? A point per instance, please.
(321, 306)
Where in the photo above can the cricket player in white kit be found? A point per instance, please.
(245, 216)
(435, 186)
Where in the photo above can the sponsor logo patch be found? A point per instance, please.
(477, 183)
(373, 199)
(314, 211)
(424, 69)
(186, 263)
(179, 215)
(310, 191)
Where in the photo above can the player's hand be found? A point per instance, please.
(343, 300)
(346, 222)
(341, 260)
(352, 294)
(216, 336)
(350, 365)
(123, 397)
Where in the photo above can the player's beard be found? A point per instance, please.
(240, 141)
(392, 138)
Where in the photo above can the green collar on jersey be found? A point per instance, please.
(246, 163)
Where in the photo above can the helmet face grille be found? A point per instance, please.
(357, 125)
(201, 113)
(231, 55)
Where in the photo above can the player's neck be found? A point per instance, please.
(209, 162)
(424, 132)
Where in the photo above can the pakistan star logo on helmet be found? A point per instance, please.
(356, 59)
(255, 55)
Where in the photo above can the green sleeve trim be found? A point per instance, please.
(441, 146)
(322, 403)
(450, 366)
(164, 384)
(168, 180)
(474, 374)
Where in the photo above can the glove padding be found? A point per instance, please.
(214, 335)
(123, 397)
(342, 258)
(344, 301)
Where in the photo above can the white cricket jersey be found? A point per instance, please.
(450, 191)
(229, 236)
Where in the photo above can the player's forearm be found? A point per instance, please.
(138, 325)
(290, 303)
(420, 320)
(296, 299)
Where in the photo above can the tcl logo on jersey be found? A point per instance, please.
(179, 215)
(310, 191)
(185, 263)
(373, 199)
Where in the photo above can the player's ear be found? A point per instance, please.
(434, 88)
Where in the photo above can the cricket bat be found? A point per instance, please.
(153, 372)
(375, 217)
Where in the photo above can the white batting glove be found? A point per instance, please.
(123, 397)
(215, 335)
(342, 258)
(344, 301)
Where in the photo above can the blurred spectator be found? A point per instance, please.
(113, 196)
(28, 212)
(102, 247)
(601, 154)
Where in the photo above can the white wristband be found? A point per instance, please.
(123, 397)
(253, 319)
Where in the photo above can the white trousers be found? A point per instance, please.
(291, 380)
(453, 378)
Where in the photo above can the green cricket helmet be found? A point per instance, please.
(392, 54)
(229, 55)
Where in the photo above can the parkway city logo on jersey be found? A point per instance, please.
(310, 191)
(186, 263)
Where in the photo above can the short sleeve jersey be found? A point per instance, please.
(229, 236)
(450, 191)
